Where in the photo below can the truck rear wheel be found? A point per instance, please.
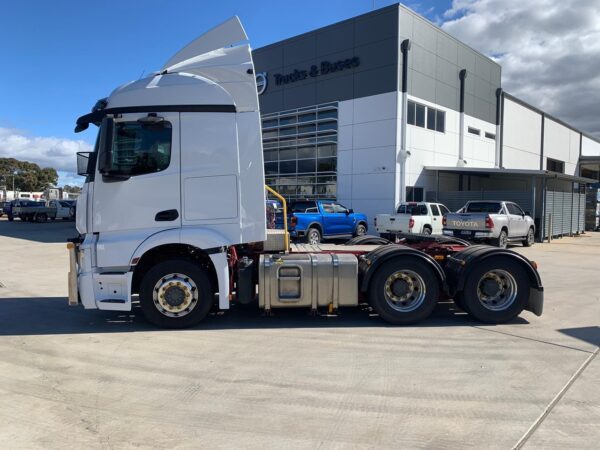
(496, 290)
(404, 291)
(176, 293)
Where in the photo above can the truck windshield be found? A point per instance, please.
(413, 209)
(484, 207)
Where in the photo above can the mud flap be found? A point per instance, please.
(536, 301)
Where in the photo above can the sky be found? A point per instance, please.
(60, 56)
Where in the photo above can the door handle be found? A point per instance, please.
(166, 216)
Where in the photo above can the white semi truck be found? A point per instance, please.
(172, 215)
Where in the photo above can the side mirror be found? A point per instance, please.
(83, 163)
(527, 213)
(349, 211)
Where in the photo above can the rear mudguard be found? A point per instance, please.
(459, 266)
(369, 263)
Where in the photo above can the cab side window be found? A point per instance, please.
(435, 210)
(140, 148)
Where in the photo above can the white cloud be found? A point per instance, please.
(549, 51)
(53, 152)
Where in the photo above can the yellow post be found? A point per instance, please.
(284, 203)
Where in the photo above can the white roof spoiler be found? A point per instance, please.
(216, 57)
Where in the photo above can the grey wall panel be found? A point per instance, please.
(379, 25)
(483, 67)
(423, 86)
(272, 102)
(424, 34)
(466, 59)
(446, 72)
(268, 58)
(483, 88)
(447, 96)
(406, 25)
(300, 49)
(376, 81)
(482, 109)
(334, 88)
(299, 96)
(447, 48)
(422, 60)
(335, 39)
(378, 54)
(470, 105)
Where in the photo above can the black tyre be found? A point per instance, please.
(176, 293)
(72, 213)
(313, 236)
(530, 239)
(361, 229)
(496, 290)
(404, 291)
(41, 218)
(502, 240)
(368, 240)
(427, 230)
(11, 218)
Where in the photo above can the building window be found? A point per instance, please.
(426, 117)
(474, 131)
(491, 136)
(554, 165)
(300, 151)
(414, 194)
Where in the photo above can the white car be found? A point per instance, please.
(412, 217)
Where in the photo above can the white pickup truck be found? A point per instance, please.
(412, 217)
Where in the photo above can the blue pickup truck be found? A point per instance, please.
(313, 220)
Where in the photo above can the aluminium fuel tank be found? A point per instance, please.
(307, 280)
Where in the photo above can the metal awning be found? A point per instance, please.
(494, 171)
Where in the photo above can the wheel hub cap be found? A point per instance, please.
(404, 290)
(175, 295)
(497, 290)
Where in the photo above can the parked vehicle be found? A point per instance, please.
(30, 211)
(175, 237)
(495, 222)
(412, 217)
(314, 220)
(4, 206)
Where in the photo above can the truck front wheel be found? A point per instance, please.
(496, 290)
(404, 291)
(176, 293)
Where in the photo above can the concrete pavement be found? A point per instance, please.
(93, 379)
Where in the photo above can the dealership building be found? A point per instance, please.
(386, 107)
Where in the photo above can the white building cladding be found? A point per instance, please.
(333, 122)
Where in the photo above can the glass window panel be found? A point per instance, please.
(269, 134)
(327, 126)
(305, 140)
(307, 117)
(411, 113)
(307, 128)
(287, 131)
(329, 114)
(306, 152)
(440, 123)
(473, 130)
(271, 168)
(420, 116)
(269, 123)
(327, 139)
(305, 179)
(326, 190)
(286, 180)
(270, 155)
(287, 167)
(326, 179)
(307, 165)
(287, 120)
(289, 153)
(435, 210)
(327, 165)
(327, 150)
(306, 189)
(287, 142)
(431, 118)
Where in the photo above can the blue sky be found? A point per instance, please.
(61, 56)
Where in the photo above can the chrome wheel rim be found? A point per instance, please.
(313, 237)
(361, 230)
(175, 295)
(530, 237)
(404, 290)
(502, 240)
(497, 290)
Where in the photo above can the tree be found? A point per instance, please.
(29, 176)
(72, 189)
